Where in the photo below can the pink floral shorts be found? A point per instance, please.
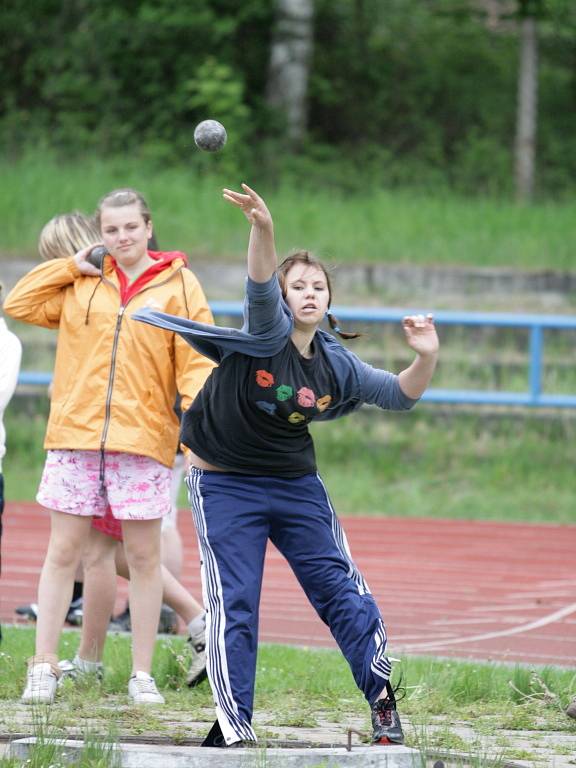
(135, 487)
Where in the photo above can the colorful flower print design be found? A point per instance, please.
(296, 418)
(269, 408)
(284, 392)
(323, 402)
(264, 378)
(306, 398)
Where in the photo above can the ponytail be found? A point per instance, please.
(333, 322)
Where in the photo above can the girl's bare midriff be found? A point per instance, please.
(196, 461)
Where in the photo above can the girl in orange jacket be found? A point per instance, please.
(111, 433)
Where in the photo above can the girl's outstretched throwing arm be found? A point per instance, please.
(420, 336)
(262, 261)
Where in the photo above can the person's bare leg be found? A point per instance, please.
(121, 563)
(179, 599)
(142, 548)
(68, 534)
(174, 593)
(99, 593)
(172, 551)
(79, 575)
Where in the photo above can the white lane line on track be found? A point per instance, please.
(542, 622)
(503, 607)
(479, 620)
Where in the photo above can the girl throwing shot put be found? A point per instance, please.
(254, 477)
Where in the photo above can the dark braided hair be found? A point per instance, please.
(305, 257)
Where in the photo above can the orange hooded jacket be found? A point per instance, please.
(115, 379)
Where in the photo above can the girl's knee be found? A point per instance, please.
(145, 560)
(97, 561)
(99, 554)
(68, 537)
(63, 554)
(142, 544)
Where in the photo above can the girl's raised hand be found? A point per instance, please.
(421, 334)
(251, 205)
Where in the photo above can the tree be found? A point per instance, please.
(290, 57)
(527, 101)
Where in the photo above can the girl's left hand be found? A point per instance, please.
(421, 334)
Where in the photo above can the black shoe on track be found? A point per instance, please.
(75, 613)
(168, 622)
(29, 611)
(386, 726)
(121, 623)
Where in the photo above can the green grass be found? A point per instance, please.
(378, 226)
(448, 464)
(486, 698)
(23, 463)
(427, 463)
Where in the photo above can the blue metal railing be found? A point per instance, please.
(536, 324)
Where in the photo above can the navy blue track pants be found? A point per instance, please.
(235, 515)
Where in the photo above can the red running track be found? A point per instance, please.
(476, 590)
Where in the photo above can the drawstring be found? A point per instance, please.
(90, 301)
(101, 487)
(184, 293)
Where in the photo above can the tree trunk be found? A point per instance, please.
(290, 58)
(526, 117)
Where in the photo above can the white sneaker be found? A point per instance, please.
(41, 683)
(197, 670)
(79, 668)
(142, 689)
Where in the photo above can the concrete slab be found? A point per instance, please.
(155, 756)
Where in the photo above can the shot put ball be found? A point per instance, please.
(210, 135)
(96, 256)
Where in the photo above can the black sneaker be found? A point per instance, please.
(571, 709)
(386, 725)
(215, 738)
(29, 612)
(121, 623)
(75, 613)
(168, 624)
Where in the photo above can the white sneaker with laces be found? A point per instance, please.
(142, 689)
(41, 684)
(197, 670)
